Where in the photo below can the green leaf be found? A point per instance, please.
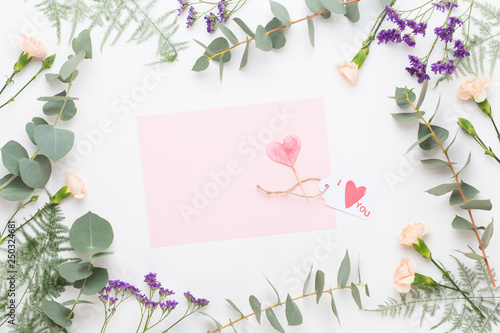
(219, 45)
(201, 64)
(204, 46)
(83, 43)
(431, 143)
(316, 6)
(306, 283)
(234, 307)
(51, 77)
(73, 302)
(244, 27)
(56, 98)
(219, 326)
(273, 320)
(277, 37)
(52, 108)
(96, 281)
(71, 64)
(469, 191)
(57, 313)
(35, 173)
(435, 162)
(477, 204)
(406, 116)
(400, 97)
(221, 70)
(16, 190)
(262, 40)
(319, 285)
(31, 125)
(461, 224)
(466, 164)
(275, 290)
(256, 307)
(292, 311)
(334, 6)
(471, 255)
(419, 141)
(352, 12)
(310, 29)
(367, 291)
(12, 153)
(244, 59)
(423, 91)
(90, 233)
(53, 142)
(443, 189)
(344, 271)
(385, 3)
(452, 142)
(97, 256)
(74, 270)
(487, 234)
(228, 33)
(355, 295)
(280, 12)
(334, 307)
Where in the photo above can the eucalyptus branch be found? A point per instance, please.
(455, 177)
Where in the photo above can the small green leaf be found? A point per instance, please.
(469, 191)
(319, 285)
(244, 59)
(51, 77)
(443, 189)
(273, 320)
(406, 116)
(52, 108)
(256, 307)
(334, 307)
(352, 12)
(262, 40)
(419, 141)
(97, 256)
(53, 142)
(451, 143)
(461, 224)
(275, 290)
(234, 307)
(435, 162)
(306, 283)
(96, 281)
(423, 91)
(280, 12)
(221, 70)
(219, 45)
(367, 291)
(57, 313)
(471, 255)
(244, 27)
(90, 233)
(277, 37)
(83, 43)
(228, 33)
(334, 6)
(201, 64)
(12, 154)
(292, 311)
(204, 46)
(400, 97)
(466, 164)
(56, 98)
(487, 234)
(71, 64)
(16, 190)
(431, 143)
(310, 29)
(35, 173)
(219, 326)
(344, 271)
(31, 125)
(436, 111)
(355, 295)
(477, 204)
(74, 270)
(73, 302)
(385, 3)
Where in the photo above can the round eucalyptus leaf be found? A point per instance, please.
(218, 45)
(12, 154)
(96, 281)
(57, 313)
(31, 125)
(52, 108)
(91, 233)
(35, 173)
(53, 142)
(278, 37)
(16, 190)
(75, 270)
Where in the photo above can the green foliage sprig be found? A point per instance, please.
(293, 314)
(271, 36)
(30, 172)
(115, 17)
(462, 194)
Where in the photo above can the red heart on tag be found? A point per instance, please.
(285, 153)
(353, 194)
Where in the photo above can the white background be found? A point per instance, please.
(363, 138)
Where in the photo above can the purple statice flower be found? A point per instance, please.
(151, 281)
(417, 28)
(446, 68)
(191, 16)
(221, 6)
(408, 40)
(106, 290)
(103, 298)
(200, 302)
(389, 36)
(141, 298)
(443, 5)
(165, 292)
(417, 69)
(151, 305)
(183, 6)
(211, 20)
(393, 16)
(113, 300)
(460, 51)
(112, 311)
(446, 34)
(168, 305)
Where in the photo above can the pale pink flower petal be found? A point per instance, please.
(476, 89)
(412, 233)
(75, 185)
(349, 71)
(32, 46)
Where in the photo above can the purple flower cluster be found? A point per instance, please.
(200, 302)
(443, 5)
(165, 292)
(418, 69)
(389, 36)
(395, 35)
(446, 34)
(460, 51)
(408, 40)
(446, 68)
(191, 16)
(108, 300)
(211, 20)
(141, 298)
(151, 281)
(168, 305)
(222, 11)
(183, 6)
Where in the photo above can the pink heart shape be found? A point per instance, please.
(353, 194)
(285, 153)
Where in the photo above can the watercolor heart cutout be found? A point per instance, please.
(353, 194)
(285, 153)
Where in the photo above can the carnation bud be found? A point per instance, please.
(467, 126)
(422, 248)
(24, 59)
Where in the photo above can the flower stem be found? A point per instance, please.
(9, 81)
(460, 190)
(496, 128)
(24, 87)
(376, 27)
(40, 211)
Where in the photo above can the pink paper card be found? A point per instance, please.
(201, 170)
